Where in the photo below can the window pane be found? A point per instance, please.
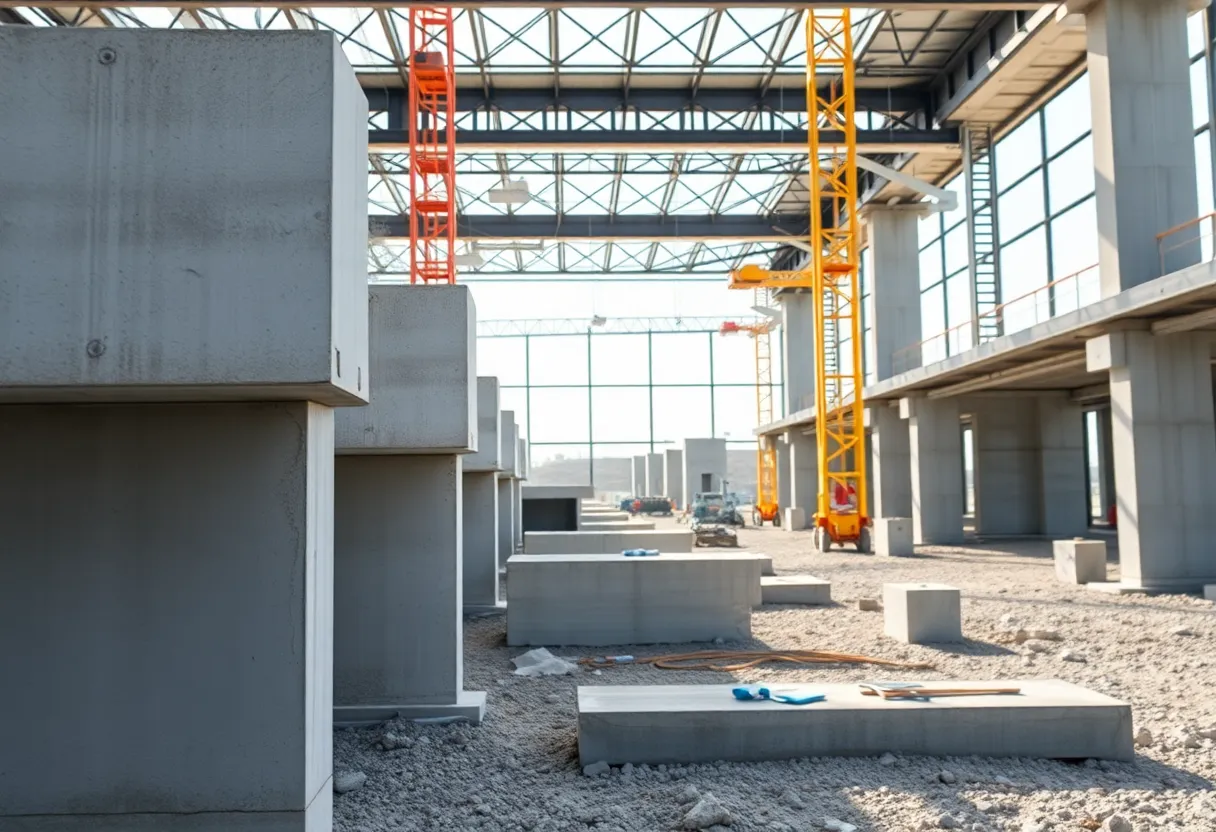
(560, 415)
(957, 185)
(735, 358)
(682, 358)
(681, 412)
(1020, 152)
(620, 414)
(1021, 207)
(931, 265)
(735, 412)
(558, 359)
(1199, 93)
(1195, 31)
(1023, 271)
(501, 357)
(559, 465)
(958, 249)
(1203, 180)
(933, 324)
(1068, 115)
(958, 312)
(618, 359)
(1071, 176)
(929, 229)
(515, 399)
(1074, 240)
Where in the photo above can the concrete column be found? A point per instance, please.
(1064, 509)
(798, 345)
(517, 522)
(481, 580)
(1008, 478)
(895, 286)
(1164, 443)
(891, 468)
(1106, 462)
(804, 475)
(506, 520)
(673, 475)
(936, 463)
(1139, 75)
(783, 473)
(654, 475)
(639, 476)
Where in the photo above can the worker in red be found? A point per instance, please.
(637, 506)
(844, 496)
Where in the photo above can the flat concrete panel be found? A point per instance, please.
(679, 724)
(489, 423)
(798, 350)
(1079, 561)
(922, 613)
(1007, 460)
(795, 589)
(704, 463)
(202, 234)
(616, 525)
(480, 539)
(423, 375)
(597, 600)
(509, 439)
(654, 475)
(895, 287)
(506, 519)
(891, 463)
(398, 633)
(602, 515)
(615, 542)
(673, 476)
(166, 588)
(1064, 479)
(936, 463)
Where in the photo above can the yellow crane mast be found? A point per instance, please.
(833, 281)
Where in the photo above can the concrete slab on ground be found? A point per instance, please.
(601, 543)
(795, 589)
(599, 600)
(595, 525)
(677, 724)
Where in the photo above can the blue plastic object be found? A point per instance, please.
(641, 553)
(754, 692)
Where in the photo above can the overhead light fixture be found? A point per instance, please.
(515, 192)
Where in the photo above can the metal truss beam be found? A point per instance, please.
(884, 5)
(726, 140)
(604, 326)
(593, 99)
(741, 228)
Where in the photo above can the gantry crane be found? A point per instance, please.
(432, 122)
(833, 280)
(766, 507)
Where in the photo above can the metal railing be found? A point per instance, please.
(1057, 297)
(1201, 230)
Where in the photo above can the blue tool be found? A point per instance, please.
(641, 553)
(754, 692)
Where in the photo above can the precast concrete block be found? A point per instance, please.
(166, 605)
(423, 375)
(578, 493)
(673, 476)
(1209, 592)
(480, 540)
(893, 536)
(489, 427)
(604, 515)
(795, 589)
(795, 519)
(654, 475)
(615, 525)
(596, 600)
(1079, 561)
(615, 542)
(509, 435)
(523, 457)
(398, 573)
(684, 724)
(114, 285)
(922, 613)
(704, 466)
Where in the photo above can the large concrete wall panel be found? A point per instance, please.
(703, 458)
(673, 476)
(1007, 465)
(202, 231)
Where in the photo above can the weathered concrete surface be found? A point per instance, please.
(165, 592)
(893, 537)
(936, 443)
(922, 613)
(489, 426)
(795, 589)
(611, 599)
(398, 633)
(596, 543)
(251, 288)
(673, 476)
(423, 375)
(1079, 561)
(704, 463)
(679, 724)
(480, 541)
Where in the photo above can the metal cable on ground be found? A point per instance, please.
(732, 661)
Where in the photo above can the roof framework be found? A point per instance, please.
(680, 122)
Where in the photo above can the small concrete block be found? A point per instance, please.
(1209, 592)
(922, 613)
(470, 704)
(1080, 561)
(794, 520)
(893, 537)
(766, 564)
(795, 589)
(682, 724)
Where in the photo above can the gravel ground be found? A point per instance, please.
(519, 770)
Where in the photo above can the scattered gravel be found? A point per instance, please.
(520, 770)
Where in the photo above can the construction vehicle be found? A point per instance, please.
(716, 507)
(765, 508)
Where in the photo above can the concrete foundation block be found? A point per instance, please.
(1079, 561)
(922, 613)
(606, 543)
(616, 525)
(423, 373)
(795, 589)
(114, 288)
(603, 515)
(893, 537)
(597, 600)
(794, 520)
(682, 724)
(167, 581)
(469, 704)
(489, 425)
(766, 564)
